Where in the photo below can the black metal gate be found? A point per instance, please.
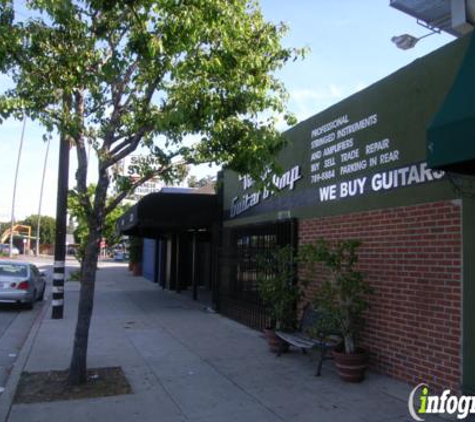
(237, 292)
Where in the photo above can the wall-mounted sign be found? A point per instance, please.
(335, 155)
(131, 166)
(388, 180)
(285, 181)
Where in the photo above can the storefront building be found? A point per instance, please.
(180, 231)
(359, 170)
(363, 169)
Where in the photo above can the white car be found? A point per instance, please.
(21, 282)
(5, 249)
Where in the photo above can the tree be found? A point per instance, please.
(343, 296)
(129, 74)
(4, 226)
(47, 227)
(81, 230)
(277, 286)
(194, 182)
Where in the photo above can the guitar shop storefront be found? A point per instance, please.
(394, 167)
(363, 169)
(180, 232)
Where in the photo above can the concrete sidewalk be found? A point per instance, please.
(185, 364)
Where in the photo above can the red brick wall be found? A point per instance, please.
(412, 258)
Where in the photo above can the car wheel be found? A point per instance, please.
(42, 295)
(30, 305)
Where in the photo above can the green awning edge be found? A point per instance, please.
(451, 134)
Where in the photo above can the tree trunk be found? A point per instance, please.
(349, 341)
(95, 222)
(78, 367)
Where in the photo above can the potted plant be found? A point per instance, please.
(278, 289)
(343, 297)
(135, 255)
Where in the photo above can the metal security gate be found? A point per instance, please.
(237, 293)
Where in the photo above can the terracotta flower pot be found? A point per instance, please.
(136, 269)
(351, 367)
(276, 344)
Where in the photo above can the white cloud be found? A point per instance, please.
(315, 94)
(306, 102)
(336, 91)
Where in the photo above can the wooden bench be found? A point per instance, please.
(324, 341)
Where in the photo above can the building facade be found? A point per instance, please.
(358, 170)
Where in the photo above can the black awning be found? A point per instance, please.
(451, 134)
(164, 212)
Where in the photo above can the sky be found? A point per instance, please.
(350, 49)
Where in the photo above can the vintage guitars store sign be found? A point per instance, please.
(249, 200)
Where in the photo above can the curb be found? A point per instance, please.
(6, 398)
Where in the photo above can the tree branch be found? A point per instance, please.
(117, 92)
(81, 172)
(120, 86)
(116, 201)
(134, 141)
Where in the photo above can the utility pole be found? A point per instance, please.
(41, 200)
(61, 220)
(12, 220)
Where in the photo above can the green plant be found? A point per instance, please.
(135, 250)
(343, 297)
(278, 288)
(75, 276)
(109, 231)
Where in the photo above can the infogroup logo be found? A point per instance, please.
(421, 403)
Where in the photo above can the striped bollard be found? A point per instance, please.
(58, 290)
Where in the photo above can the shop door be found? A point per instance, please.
(238, 297)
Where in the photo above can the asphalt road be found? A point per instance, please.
(15, 325)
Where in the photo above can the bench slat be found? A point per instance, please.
(301, 340)
(298, 339)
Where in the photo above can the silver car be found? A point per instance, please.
(5, 249)
(21, 282)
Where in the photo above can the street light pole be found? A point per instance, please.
(41, 200)
(61, 217)
(12, 219)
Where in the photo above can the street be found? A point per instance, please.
(15, 325)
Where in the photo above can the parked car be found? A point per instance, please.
(21, 282)
(120, 256)
(5, 249)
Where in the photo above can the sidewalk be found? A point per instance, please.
(185, 364)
